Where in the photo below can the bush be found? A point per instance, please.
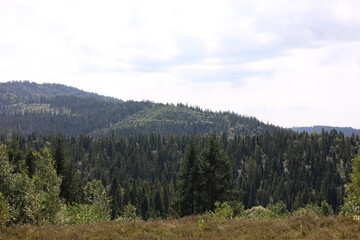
(128, 214)
(238, 208)
(222, 210)
(326, 209)
(351, 208)
(4, 211)
(83, 213)
(309, 210)
(259, 212)
(279, 209)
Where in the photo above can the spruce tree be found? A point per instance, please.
(217, 173)
(187, 180)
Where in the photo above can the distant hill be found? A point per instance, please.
(25, 91)
(347, 131)
(50, 109)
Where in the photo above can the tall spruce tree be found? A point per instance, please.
(187, 180)
(205, 179)
(217, 174)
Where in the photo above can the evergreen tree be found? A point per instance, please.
(116, 199)
(187, 180)
(217, 173)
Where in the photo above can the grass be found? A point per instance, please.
(197, 227)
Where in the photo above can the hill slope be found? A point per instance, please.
(348, 131)
(49, 109)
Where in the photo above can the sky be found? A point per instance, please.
(289, 63)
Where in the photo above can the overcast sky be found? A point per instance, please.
(286, 62)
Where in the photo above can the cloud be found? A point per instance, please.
(286, 62)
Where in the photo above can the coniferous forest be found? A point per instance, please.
(183, 169)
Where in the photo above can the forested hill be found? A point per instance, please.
(348, 131)
(50, 109)
(26, 92)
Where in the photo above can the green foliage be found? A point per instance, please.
(259, 212)
(48, 109)
(237, 207)
(326, 209)
(4, 211)
(217, 171)
(351, 205)
(200, 224)
(43, 195)
(128, 214)
(83, 213)
(189, 177)
(222, 210)
(296, 169)
(96, 196)
(311, 210)
(279, 209)
(14, 186)
(204, 180)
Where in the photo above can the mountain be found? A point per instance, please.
(50, 109)
(347, 131)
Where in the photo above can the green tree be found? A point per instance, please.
(204, 180)
(14, 188)
(71, 185)
(217, 174)
(352, 199)
(116, 198)
(96, 196)
(43, 195)
(187, 180)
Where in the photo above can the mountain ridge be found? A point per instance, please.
(347, 131)
(51, 109)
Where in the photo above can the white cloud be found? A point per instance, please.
(286, 62)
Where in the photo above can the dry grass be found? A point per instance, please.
(198, 227)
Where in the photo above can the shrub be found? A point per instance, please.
(222, 210)
(351, 207)
(238, 208)
(312, 210)
(326, 209)
(279, 209)
(82, 213)
(128, 214)
(4, 211)
(259, 212)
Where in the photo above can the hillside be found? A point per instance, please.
(347, 131)
(144, 159)
(49, 109)
(27, 92)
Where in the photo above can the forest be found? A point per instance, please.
(157, 177)
(70, 157)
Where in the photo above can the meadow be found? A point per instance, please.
(197, 227)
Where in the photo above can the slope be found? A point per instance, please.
(183, 120)
(50, 109)
(348, 131)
